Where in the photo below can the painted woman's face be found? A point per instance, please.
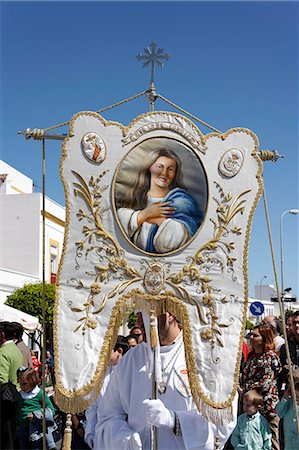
(163, 171)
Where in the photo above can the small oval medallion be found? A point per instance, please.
(181, 381)
(93, 147)
(154, 278)
(231, 163)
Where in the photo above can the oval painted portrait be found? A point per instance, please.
(160, 195)
(93, 147)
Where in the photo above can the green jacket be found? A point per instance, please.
(10, 360)
(251, 433)
(285, 409)
(27, 406)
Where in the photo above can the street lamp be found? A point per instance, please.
(265, 276)
(289, 211)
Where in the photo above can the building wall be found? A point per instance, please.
(54, 233)
(13, 181)
(21, 232)
(10, 280)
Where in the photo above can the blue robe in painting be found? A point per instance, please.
(187, 213)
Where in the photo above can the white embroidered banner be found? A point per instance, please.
(159, 214)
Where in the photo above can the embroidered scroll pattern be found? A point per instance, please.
(99, 242)
(195, 272)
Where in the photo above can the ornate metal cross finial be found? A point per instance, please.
(151, 56)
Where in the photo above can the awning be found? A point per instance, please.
(9, 314)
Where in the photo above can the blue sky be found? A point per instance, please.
(233, 64)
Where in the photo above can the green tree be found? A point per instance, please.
(131, 320)
(249, 325)
(29, 300)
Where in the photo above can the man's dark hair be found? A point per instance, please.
(296, 314)
(130, 336)
(121, 343)
(133, 332)
(19, 330)
(133, 329)
(8, 329)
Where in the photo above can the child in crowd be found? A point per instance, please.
(252, 431)
(35, 361)
(285, 409)
(30, 412)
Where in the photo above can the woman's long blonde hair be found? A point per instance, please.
(137, 196)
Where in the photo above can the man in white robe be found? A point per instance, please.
(120, 348)
(126, 413)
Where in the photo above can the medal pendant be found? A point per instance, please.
(162, 387)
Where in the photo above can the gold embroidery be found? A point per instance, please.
(192, 273)
(97, 240)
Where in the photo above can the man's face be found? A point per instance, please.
(140, 324)
(295, 327)
(132, 342)
(267, 320)
(163, 326)
(137, 333)
(289, 326)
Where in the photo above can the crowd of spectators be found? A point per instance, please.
(267, 418)
(266, 410)
(21, 393)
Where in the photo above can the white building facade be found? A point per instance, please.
(21, 232)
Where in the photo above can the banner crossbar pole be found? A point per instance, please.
(39, 134)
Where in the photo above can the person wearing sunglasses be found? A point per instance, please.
(136, 332)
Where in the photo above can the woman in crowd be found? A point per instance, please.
(260, 372)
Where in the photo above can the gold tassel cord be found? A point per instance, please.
(67, 437)
(153, 333)
(38, 133)
(187, 113)
(269, 155)
(282, 315)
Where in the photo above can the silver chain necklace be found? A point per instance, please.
(162, 385)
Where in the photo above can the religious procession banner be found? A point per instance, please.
(158, 218)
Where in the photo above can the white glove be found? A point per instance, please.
(157, 414)
(134, 442)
